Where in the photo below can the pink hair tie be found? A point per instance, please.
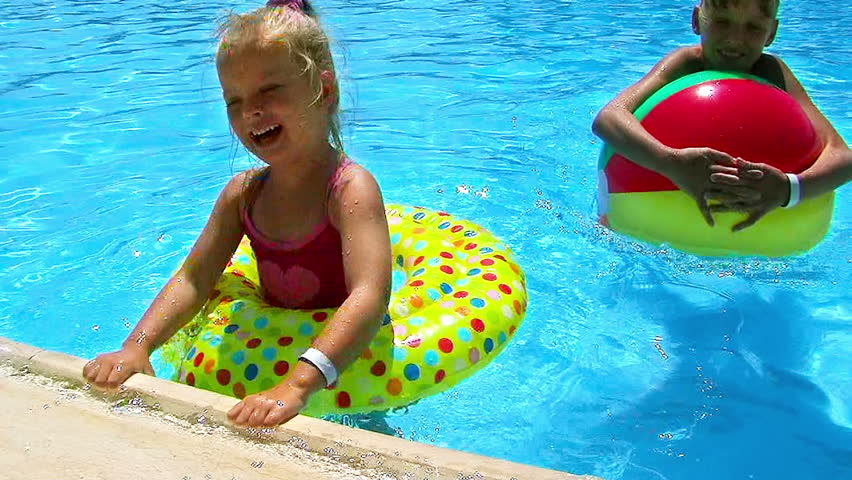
(294, 4)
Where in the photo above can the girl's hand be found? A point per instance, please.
(770, 187)
(269, 408)
(109, 370)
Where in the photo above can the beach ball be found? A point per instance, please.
(736, 113)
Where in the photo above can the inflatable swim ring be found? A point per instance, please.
(736, 113)
(458, 297)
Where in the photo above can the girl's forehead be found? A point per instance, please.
(257, 61)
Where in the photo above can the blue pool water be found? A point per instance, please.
(633, 363)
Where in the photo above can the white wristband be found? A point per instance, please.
(323, 364)
(795, 191)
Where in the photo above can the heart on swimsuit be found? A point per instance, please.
(293, 288)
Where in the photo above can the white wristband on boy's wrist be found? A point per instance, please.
(322, 363)
(795, 191)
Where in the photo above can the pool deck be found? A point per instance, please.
(155, 428)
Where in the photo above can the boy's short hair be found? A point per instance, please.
(769, 7)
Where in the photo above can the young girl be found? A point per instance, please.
(316, 220)
(733, 35)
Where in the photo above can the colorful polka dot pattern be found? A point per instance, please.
(458, 298)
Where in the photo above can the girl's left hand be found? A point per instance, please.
(770, 185)
(269, 408)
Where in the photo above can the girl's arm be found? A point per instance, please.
(357, 211)
(181, 298)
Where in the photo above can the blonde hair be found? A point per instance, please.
(768, 7)
(297, 29)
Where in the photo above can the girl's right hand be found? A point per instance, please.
(109, 370)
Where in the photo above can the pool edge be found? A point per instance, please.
(357, 448)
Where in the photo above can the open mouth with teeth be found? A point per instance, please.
(265, 136)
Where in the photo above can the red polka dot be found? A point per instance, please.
(505, 289)
(190, 379)
(394, 386)
(443, 214)
(320, 316)
(379, 368)
(487, 262)
(477, 325)
(446, 254)
(253, 343)
(343, 400)
(416, 283)
(248, 284)
(238, 273)
(239, 390)
(460, 294)
(470, 246)
(512, 329)
(285, 341)
(447, 269)
(457, 228)
(518, 308)
(199, 358)
(223, 376)
(281, 368)
(439, 376)
(418, 260)
(490, 277)
(446, 345)
(501, 257)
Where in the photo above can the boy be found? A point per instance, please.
(733, 35)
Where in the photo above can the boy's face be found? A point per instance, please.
(733, 33)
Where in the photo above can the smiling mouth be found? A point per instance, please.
(266, 135)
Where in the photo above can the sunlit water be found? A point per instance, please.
(632, 363)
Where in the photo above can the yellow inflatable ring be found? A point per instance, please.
(458, 297)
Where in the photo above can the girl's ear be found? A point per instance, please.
(330, 94)
(696, 24)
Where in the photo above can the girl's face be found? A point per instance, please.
(272, 106)
(733, 37)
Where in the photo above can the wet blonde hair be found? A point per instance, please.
(768, 7)
(295, 27)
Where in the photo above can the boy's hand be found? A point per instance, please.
(269, 408)
(770, 186)
(109, 370)
(690, 170)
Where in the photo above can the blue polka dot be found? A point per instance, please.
(461, 255)
(191, 353)
(216, 340)
(238, 357)
(433, 294)
(477, 302)
(419, 216)
(474, 271)
(489, 345)
(232, 328)
(421, 245)
(446, 288)
(416, 321)
(443, 225)
(386, 320)
(261, 323)
(470, 233)
(399, 354)
(412, 372)
(306, 329)
(502, 337)
(395, 238)
(251, 371)
(462, 282)
(435, 262)
(418, 272)
(431, 358)
(237, 306)
(270, 354)
(206, 336)
(465, 335)
(400, 261)
(486, 250)
(398, 279)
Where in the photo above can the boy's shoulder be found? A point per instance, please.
(769, 67)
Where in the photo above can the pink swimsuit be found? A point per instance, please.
(304, 273)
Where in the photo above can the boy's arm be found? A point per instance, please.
(833, 167)
(617, 125)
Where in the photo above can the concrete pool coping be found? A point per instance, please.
(393, 457)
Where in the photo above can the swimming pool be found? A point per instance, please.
(633, 363)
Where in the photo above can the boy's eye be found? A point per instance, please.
(270, 88)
